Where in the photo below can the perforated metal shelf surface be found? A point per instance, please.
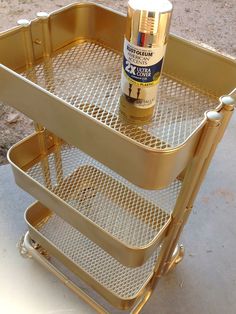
(87, 76)
(132, 215)
(123, 281)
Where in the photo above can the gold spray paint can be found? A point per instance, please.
(147, 29)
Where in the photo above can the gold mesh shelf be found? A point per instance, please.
(69, 82)
(125, 220)
(87, 76)
(122, 285)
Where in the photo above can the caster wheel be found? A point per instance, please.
(177, 257)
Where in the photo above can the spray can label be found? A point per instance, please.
(141, 73)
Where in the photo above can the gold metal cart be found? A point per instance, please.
(113, 197)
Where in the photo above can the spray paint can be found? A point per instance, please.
(145, 42)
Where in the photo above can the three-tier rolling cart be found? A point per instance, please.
(113, 197)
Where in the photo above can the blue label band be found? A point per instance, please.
(142, 74)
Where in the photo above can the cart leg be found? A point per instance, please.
(195, 174)
(227, 111)
(142, 302)
(190, 180)
(24, 252)
(176, 258)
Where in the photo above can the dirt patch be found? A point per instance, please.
(13, 127)
(210, 23)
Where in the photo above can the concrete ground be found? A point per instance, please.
(205, 281)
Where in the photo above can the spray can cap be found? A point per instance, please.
(148, 22)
